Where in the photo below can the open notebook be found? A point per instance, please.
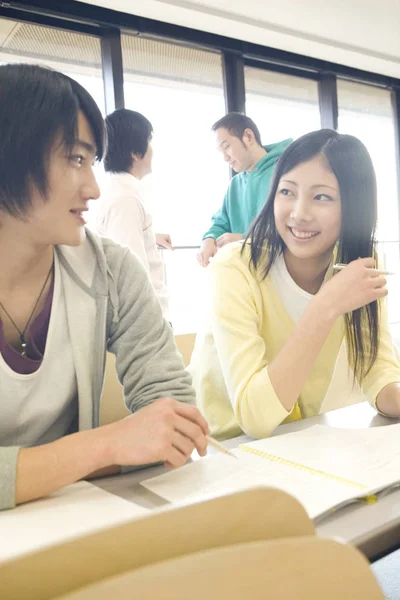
(323, 467)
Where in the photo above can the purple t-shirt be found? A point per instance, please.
(25, 365)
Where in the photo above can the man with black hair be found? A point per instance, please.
(239, 141)
(67, 297)
(122, 215)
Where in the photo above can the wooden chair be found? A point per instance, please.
(300, 568)
(251, 515)
(113, 405)
(185, 345)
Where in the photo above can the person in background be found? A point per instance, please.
(122, 214)
(239, 141)
(288, 336)
(66, 298)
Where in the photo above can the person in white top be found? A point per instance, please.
(122, 215)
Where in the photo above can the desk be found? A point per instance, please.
(374, 529)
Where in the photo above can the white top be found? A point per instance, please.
(342, 391)
(122, 216)
(294, 298)
(41, 407)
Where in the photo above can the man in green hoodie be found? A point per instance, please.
(239, 140)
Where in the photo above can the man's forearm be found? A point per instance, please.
(44, 469)
(216, 230)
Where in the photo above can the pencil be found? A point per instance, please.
(340, 267)
(219, 446)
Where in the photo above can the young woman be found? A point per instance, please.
(66, 297)
(288, 338)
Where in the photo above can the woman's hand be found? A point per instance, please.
(355, 286)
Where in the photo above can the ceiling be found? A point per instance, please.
(359, 33)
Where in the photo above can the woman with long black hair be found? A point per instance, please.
(288, 336)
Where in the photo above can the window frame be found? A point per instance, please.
(108, 25)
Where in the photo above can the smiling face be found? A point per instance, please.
(59, 218)
(238, 153)
(307, 210)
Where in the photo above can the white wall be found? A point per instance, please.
(357, 33)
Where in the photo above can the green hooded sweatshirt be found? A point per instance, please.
(246, 195)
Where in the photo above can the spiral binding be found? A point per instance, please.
(290, 463)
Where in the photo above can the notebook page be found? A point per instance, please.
(77, 509)
(370, 456)
(220, 474)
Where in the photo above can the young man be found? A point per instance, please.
(238, 138)
(122, 215)
(66, 297)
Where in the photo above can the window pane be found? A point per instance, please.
(180, 90)
(366, 112)
(77, 55)
(187, 285)
(282, 106)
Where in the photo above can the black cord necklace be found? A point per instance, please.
(22, 333)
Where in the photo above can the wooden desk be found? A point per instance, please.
(374, 529)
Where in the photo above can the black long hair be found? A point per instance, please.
(350, 162)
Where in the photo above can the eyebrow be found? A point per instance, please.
(317, 185)
(89, 147)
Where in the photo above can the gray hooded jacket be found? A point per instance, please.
(111, 306)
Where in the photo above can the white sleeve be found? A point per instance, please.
(125, 224)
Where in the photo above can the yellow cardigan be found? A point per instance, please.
(246, 328)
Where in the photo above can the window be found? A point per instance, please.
(75, 54)
(365, 111)
(282, 106)
(180, 90)
(187, 286)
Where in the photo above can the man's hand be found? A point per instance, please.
(164, 240)
(228, 238)
(166, 430)
(208, 250)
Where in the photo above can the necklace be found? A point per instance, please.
(22, 333)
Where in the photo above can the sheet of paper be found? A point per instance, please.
(368, 456)
(76, 510)
(219, 474)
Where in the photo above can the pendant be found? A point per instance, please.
(23, 344)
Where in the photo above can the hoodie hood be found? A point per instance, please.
(274, 152)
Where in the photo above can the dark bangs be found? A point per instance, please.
(36, 105)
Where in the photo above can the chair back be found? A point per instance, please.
(301, 568)
(251, 515)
